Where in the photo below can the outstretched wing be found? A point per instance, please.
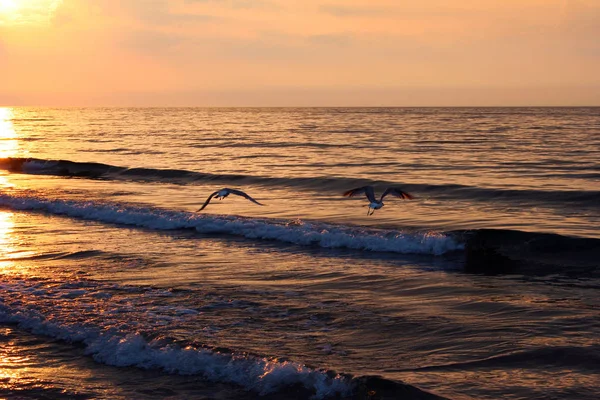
(367, 190)
(396, 192)
(240, 193)
(208, 201)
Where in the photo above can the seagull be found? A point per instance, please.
(375, 204)
(221, 194)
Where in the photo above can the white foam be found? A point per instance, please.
(40, 308)
(323, 235)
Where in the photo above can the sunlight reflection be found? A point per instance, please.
(5, 183)
(11, 363)
(8, 137)
(8, 251)
(7, 375)
(6, 248)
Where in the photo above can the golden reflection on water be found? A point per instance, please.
(9, 250)
(6, 244)
(5, 182)
(9, 144)
(11, 363)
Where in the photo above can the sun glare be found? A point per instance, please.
(8, 137)
(27, 11)
(8, 10)
(8, 5)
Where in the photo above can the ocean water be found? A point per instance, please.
(486, 285)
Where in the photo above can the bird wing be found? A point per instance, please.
(208, 201)
(396, 192)
(367, 190)
(240, 193)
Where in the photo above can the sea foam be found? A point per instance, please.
(40, 308)
(314, 234)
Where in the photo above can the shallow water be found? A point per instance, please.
(113, 287)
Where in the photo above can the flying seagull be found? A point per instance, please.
(221, 194)
(375, 204)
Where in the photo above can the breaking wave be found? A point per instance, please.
(296, 232)
(130, 326)
(108, 343)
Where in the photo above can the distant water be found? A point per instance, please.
(485, 286)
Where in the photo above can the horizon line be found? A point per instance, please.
(299, 106)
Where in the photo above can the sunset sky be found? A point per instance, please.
(310, 52)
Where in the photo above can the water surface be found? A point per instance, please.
(114, 287)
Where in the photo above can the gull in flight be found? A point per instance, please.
(221, 194)
(375, 204)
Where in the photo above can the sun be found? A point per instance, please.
(8, 6)
(18, 12)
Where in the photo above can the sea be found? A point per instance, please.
(486, 285)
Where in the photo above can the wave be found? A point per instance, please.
(296, 232)
(488, 251)
(125, 349)
(567, 357)
(574, 198)
(95, 317)
(503, 251)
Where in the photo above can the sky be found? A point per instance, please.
(299, 52)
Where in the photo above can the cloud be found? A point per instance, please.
(245, 46)
(151, 42)
(354, 11)
(160, 13)
(237, 4)
(403, 10)
(331, 39)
